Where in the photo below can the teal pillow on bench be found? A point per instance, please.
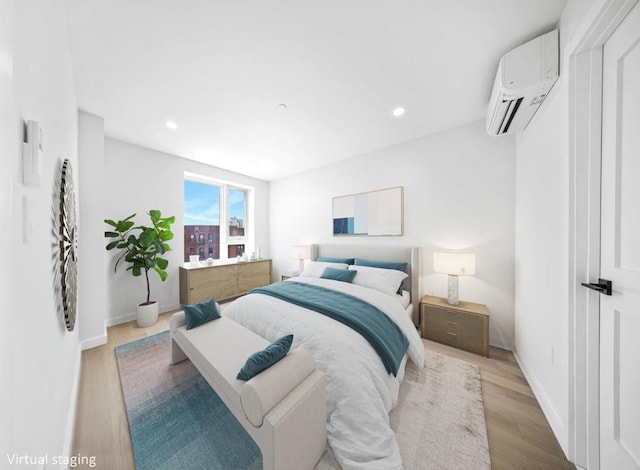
(339, 274)
(199, 314)
(264, 359)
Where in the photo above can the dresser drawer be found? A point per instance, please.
(222, 281)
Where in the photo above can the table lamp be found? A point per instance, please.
(454, 264)
(301, 253)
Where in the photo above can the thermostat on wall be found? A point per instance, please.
(32, 155)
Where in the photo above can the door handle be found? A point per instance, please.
(604, 286)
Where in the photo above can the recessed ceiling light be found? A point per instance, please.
(399, 111)
(282, 107)
(171, 124)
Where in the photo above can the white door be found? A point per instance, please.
(620, 251)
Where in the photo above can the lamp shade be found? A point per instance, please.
(454, 263)
(301, 252)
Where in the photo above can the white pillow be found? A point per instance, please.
(404, 299)
(316, 268)
(384, 280)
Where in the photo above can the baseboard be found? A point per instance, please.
(132, 316)
(119, 320)
(545, 404)
(500, 343)
(95, 342)
(71, 416)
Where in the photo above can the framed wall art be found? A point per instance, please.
(375, 213)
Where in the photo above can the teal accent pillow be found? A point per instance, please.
(383, 265)
(338, 274)
(326, 259)
(199, 314)
(265, 358)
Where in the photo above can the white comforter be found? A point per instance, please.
(360, 393)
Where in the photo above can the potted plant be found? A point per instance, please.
(142, 249)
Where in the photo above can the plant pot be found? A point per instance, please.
(147, 314)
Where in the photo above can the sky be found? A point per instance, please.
(202, 204)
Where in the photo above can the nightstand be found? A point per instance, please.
(464, 326)
(288, 275)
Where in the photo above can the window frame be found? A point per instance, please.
(224, 187)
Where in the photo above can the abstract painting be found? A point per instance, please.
(375, 213)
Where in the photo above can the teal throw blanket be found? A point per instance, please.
(379, 330)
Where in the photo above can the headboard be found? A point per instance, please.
(404, 254)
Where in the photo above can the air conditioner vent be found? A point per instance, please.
(512, 109)
(520, 78)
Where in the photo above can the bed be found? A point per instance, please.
(362, 388)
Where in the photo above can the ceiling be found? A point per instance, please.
(220, 68)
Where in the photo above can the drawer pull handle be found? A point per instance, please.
(452, 334)
(452, 322)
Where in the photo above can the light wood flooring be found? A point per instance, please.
(519, 435)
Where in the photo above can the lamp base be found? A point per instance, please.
(453, 290)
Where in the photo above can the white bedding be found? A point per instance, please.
(360, 393)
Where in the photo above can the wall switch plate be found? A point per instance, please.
(32, 155)
(27, 226)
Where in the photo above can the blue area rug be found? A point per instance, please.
(176, 420)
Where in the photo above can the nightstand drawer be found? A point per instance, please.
(458, 329)
(456, 326)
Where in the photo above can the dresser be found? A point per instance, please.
(464, 326)
(224, 281)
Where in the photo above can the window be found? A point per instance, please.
(235, 250)
(237, 212)
(217, 212)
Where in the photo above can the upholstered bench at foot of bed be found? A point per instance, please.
(283, 408)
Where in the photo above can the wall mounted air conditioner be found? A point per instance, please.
(525, 76)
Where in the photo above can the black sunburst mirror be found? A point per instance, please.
(68, 246)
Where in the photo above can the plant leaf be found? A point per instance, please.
(111, 234)
(162, 263)
(166, 235)
(147, 237)
(110, 222)
(112, 245)
(124, 226)
(163, 274)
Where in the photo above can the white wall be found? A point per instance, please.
(542, 224)
(458, 194)
(138, 179)
(8, 143)
(38, 392)
(542, 245)
(92, 297)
